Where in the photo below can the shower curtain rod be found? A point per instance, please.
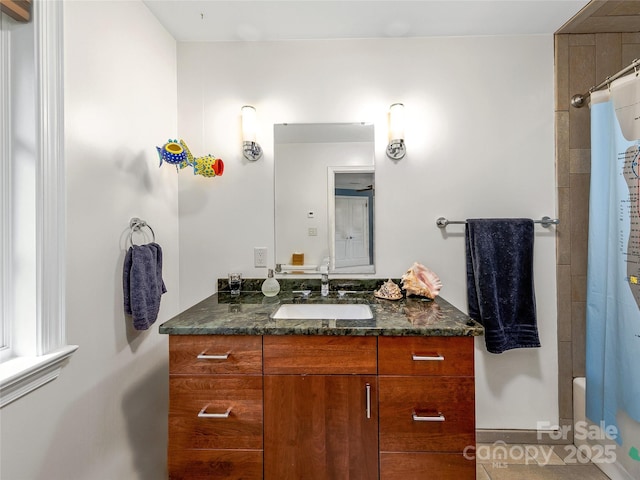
(578, 100)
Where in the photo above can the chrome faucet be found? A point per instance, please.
(324, 278)
(324, 287)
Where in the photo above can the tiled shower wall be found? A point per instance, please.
(582, 61)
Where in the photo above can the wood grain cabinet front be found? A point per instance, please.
(219, 412)
(215, 354)
(320, 427)
(215, 407)
(427, 408)
(315, 355)
(321, 407)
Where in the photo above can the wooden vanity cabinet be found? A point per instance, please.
(427, 407)
(327, 407)
(215, 407)
(320, 405)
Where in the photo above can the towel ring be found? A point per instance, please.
(135, 225)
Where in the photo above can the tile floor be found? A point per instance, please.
(534, 462)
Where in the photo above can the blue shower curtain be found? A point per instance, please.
(613, 277)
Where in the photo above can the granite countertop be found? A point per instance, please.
(250, 314)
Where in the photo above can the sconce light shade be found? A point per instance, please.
(250, 149)
(396, 148)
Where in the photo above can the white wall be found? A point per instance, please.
(480, 144)
(105, 416)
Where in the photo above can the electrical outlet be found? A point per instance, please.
(260, 257)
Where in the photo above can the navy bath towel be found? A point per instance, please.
(500, 288)
(143, 284)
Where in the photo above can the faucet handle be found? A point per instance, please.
(343, 293)
(305, 293)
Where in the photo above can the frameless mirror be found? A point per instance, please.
(324, 197)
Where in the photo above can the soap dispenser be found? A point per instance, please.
(270, 287)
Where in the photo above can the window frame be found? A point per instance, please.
(22, 374)
(5, 199)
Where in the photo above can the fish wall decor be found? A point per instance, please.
(178, 154)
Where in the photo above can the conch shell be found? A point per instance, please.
(421, 281)
(389, 291)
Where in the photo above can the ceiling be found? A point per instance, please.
(266, 20)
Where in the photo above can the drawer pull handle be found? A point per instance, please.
(204, 356)
(428, 358)
(368, 392)
(203, 413)
(430, 418)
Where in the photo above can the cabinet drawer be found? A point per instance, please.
(215, 412)
(435, 414)
(434, 466)
(425, 355)
(218, 464)
(295, 354)
(215, 354)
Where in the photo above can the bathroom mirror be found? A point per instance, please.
(324, 197)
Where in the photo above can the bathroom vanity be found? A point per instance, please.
(253, 397)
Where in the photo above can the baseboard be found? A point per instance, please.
(529, 437)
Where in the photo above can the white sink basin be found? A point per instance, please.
(323, 311)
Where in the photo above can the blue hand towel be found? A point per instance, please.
(143, 284)
(500, 290)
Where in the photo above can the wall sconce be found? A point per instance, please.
(396, 149)
(250, 149)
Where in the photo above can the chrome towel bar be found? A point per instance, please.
(546, 222)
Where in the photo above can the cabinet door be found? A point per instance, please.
(320, 427)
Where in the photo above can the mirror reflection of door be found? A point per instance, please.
(352, 204)
(352, 231)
